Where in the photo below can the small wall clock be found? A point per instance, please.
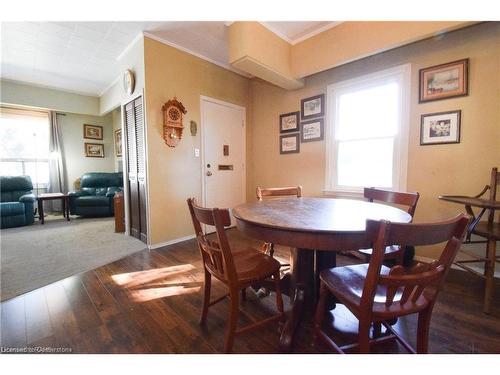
(129, 81)
(172, 122)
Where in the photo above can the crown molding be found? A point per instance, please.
(317, 31)
(199, 55)
(130, 45)
(48, 87)
(114, 82)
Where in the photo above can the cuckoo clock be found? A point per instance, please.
(172, 122)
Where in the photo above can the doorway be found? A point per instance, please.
(223, 144)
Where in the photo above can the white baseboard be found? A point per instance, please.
(171, 242)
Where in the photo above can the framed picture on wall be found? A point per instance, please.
(94, 150)
(118, 142)
(312, 130)
(444, 81)
(92, 131)
(289, 122)
(312, 107)
(440, 128)
(289, 144)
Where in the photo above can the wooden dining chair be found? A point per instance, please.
(237, 268)
(409, 200)
(376, 294)
(263, 193)
(490, 231)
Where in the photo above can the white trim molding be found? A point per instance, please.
(400, 74)
(301, 38)
(199, 55)
(171, 242)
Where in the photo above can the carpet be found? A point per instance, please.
(37, 255)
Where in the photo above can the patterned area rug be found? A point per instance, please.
(37, 255)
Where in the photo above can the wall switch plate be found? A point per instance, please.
(196, 152)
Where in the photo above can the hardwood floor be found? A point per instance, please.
(150, 302)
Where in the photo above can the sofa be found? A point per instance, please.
(95, 197)
(16, 201)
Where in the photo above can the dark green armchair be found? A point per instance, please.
(95, 197)
(16, 201)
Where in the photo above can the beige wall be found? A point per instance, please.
(353, 40)
(20, 94)
(77, 163)
(174, 174)
(432, 170)
(115, 95)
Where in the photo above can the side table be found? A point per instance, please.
(119, 213)
(53, 196)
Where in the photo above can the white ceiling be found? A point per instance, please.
(83, 57)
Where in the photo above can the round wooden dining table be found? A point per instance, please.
(315, 229)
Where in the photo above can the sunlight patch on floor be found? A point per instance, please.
(144, 295)
(158, 275)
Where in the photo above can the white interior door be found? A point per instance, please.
(223, 153)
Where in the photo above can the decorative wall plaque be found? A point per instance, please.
(172, 122)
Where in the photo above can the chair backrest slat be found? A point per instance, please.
(216, 255)
(396, 197)
(410, 285)
(278, 192)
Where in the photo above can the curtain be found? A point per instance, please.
(57, 170)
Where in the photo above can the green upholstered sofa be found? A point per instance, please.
(95, 197)
(16, 201)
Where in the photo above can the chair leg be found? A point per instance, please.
(489, 273)
(424, 322)
(233, 321)
(206, 297)
(400, 256)
(271, 249)
(377, 329)
(244, 294)
(364, 336)
(279, 297)
(320, 310)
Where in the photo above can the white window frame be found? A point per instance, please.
(402, 74)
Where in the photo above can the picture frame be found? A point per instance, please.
(440, 128)
(444, 81)
(289, 122)
(312, 130)
(94, 150)
(92, 132)
(118, 142)
(289, 144)
(312, 107)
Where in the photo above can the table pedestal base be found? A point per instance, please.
(304, 288)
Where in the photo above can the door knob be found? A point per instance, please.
(209, 173)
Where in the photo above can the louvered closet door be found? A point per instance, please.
(141, 166)
(136, 168)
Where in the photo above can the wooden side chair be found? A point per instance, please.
(409, 200)
(490, 230)
(263, 193)
(377, 294)
(236, 268)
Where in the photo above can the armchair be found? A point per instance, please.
(96, 195)
(16, 201)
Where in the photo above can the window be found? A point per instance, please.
(367, 139)
(24, 145)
